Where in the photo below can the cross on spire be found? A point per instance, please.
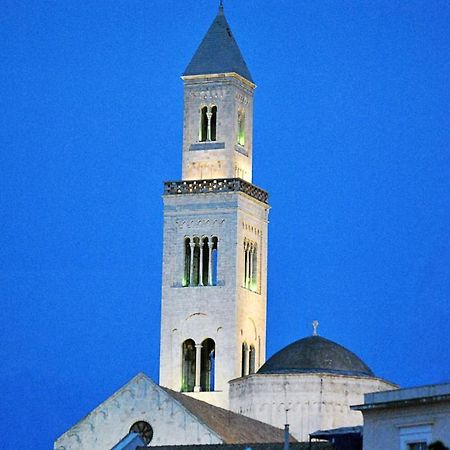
(220, 4)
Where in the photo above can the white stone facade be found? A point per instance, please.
(228, 313)
(227, 154)
(316, 401)
(140, 399)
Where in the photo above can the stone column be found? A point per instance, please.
(209, 115)
(198, 368)
(191, 269)
(200, 274)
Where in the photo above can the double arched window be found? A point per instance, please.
(198, 366)
(208, 124)
(200, 261)
(250, 265)
(248, 360)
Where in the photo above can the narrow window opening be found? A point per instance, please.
(207, 365)
(196, 263)
(188, 366)
(252, 360)
(203, 131)
(254, 269)
(205, 261)
(214, 123)
(250, 266)
(244, 360)
(187, 262)
(241, 128)
(214, 260)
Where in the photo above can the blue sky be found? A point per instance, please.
(351, 139)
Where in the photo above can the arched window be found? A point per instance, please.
(144, 430)
(213, 124)
(207, 372)
(250, 278)
(187, 262)
(195, 276)
(241, 128)
(244, 360)
(252, 360)
(214, 260)
(188, 366)
(205, 250)
(203, 128)
(254, 268)
(200, 261)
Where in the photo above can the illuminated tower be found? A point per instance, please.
(213, 319)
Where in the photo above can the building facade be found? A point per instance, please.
(406, 419)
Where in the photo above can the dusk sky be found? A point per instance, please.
(351, 140)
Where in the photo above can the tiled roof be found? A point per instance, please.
(275, 446)
(218, 52)
(231, 427)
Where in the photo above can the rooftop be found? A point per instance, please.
(404, 397)
(232, 428)
(218, 52)
(316, 354)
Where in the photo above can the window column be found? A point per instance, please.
(198, 363)
(200, 272)
(209, 115)
(191, 269)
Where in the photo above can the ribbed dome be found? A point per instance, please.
(315, 354)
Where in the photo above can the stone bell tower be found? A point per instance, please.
(213, 318)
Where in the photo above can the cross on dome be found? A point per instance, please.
(315, 325)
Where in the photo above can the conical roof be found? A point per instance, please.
(218, 52)
(316, 354)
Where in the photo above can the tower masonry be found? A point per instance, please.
(213, 318)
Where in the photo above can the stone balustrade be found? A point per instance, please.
(215, 185)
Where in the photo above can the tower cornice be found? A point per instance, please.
(220, 75)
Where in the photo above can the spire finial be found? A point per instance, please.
(315, 325)
(221, 4)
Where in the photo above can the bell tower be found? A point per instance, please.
(213, 315)
(218, 112)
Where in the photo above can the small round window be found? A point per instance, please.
(144, 430)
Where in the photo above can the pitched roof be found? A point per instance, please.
(233, 428)
(218, 52)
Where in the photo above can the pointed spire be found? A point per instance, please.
(218, 51)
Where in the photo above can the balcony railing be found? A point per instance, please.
(216, 185)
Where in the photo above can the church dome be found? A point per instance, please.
(315, 354)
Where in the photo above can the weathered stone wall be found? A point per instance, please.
(140, 399)
(315, 401)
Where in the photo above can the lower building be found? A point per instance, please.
(406, 419)
(311, 384)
